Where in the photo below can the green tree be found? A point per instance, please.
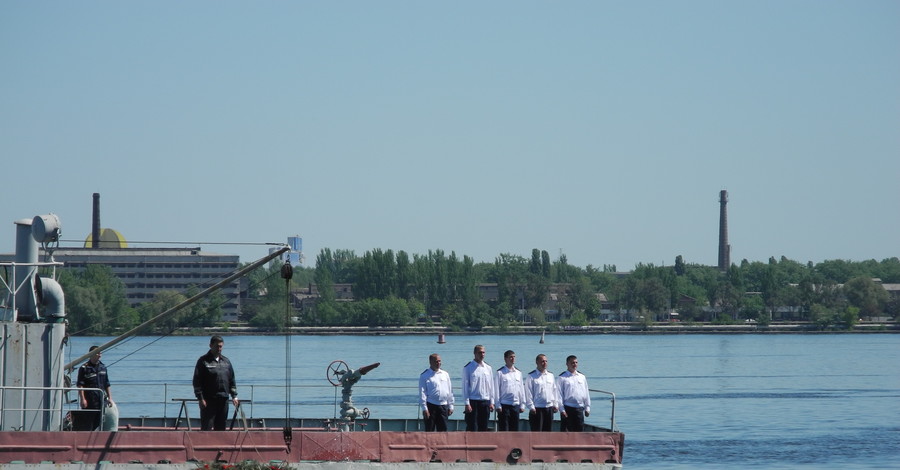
(535, 266)
(865, 295)
(679, 266)
(269, 316)
(163, 301)
(545, 264)
(405, 284)
(95, 300)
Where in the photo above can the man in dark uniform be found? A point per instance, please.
(213, 384)
(92, 375)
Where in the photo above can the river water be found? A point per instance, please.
(778, 401)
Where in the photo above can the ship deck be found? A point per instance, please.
(383, 441)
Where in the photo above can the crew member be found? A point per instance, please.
(213, 384)
(541, 396)
(435, 395)
(478, 391)
(576, 400)
(93, 380)
(510, 394)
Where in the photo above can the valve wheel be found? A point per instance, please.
(335, 371)
(364, 414)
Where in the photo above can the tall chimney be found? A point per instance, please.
(724, 247)
(95, 227)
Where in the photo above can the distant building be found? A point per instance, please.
(148, 271)
(294, 256)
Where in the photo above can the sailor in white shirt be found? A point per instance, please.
(435, 395)
(478, 391)
(576, 400)
(510, 394)
(541, 396)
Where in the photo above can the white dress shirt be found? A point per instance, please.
(509, 388)
(541, 391)
(477, 382)
(435, 388)
(573, 390)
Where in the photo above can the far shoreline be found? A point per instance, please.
(607, 329)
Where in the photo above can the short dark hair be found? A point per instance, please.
(509, 352)
(93, 348)
(570, 358)
(216, 339)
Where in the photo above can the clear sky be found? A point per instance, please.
(603, 130)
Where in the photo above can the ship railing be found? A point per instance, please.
(155, 400)
(263, 404)
(612, 415)
(58, 414)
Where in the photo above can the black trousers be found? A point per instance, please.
(477, 419)
(574, 421)
(437, 421)
(508, 418)
(95, 402)
(541, 420)
(215, 415)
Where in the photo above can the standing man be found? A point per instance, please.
(213, 383)
(510, 394)
(92, 375)
(478, 391)
(541, 396)
(576, 400)
(435, 395)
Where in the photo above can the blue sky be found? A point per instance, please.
(601, 130)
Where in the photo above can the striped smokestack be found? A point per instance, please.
(95, 226)
(724, 247)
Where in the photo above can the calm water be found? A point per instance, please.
(683, 401)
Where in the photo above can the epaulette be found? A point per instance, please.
(533, 371)
(424, 371)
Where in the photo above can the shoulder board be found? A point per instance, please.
(533, 371)
(424, 371)
(467, 364)
(563, 372)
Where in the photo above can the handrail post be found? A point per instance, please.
(165, 401)
(612, 418)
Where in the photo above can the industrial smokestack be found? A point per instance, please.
(95, 227)
(724, 247)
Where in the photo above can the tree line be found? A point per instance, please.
(96, 304)
(396, 289)
(393, 288)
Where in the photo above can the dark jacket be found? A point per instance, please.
(214, 378)
(93, 376)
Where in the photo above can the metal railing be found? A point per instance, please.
(612, 398)
(58, 414)
(142, 400)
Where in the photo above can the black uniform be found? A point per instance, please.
(214, 382)
(94, 377)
